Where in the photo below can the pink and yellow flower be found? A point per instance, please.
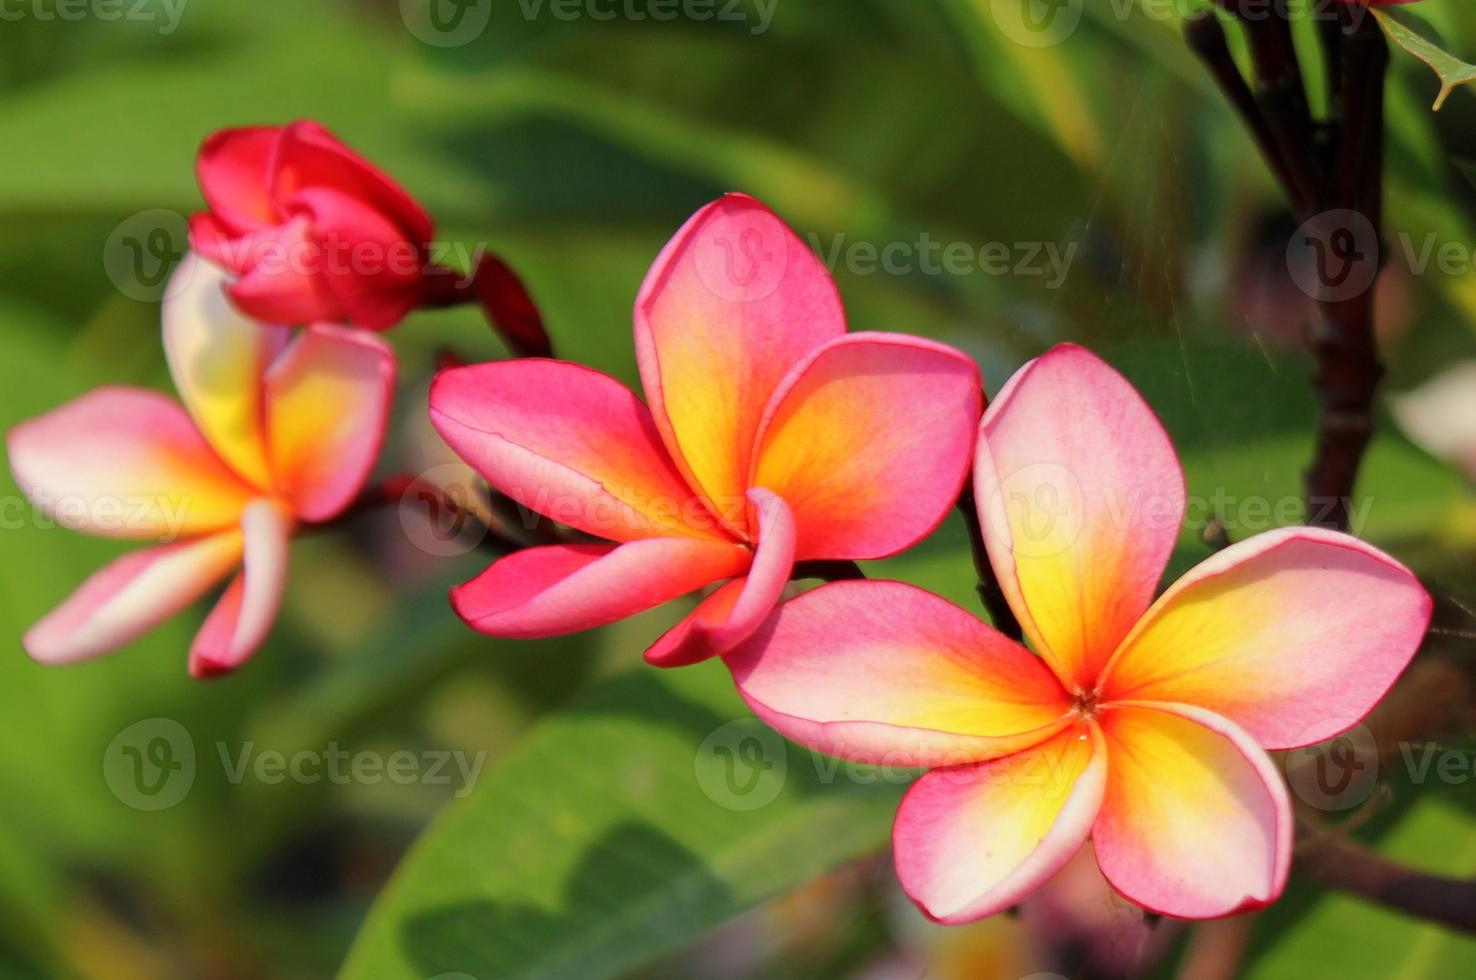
(276, 431)
(772, 437)
(1141, 724)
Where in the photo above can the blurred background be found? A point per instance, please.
(966, 175)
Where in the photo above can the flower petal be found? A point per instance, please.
(232, 169)
(570, 443)
(131, 596)
(1294, 635)
(887, 673)
(972, 841)
(732, 303)
(328, 402)
(243, 616)
(217, 358)
(561, 589)
(730, 615)
(1196, 822)
(310, 156)
(1440, 415)
(1080, 496)
(280, 275)
(125, 463)
(869, 442)
(376, 273)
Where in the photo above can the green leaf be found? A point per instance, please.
(616, 831)
(1453, 71)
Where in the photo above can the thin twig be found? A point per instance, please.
(1351, 868)
(988, 588)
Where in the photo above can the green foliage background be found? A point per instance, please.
(574, 148)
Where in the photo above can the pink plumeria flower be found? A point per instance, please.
(1143, 725)
(772, 436)
(276, 431)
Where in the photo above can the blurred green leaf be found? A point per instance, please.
(594, 844)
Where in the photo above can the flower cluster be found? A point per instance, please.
(772, 443)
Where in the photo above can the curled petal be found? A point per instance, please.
(1195, 822)
(243, 616)
(1080, 498)
(1294, 635)
(569, 443)
(310, 156)
(328, 403)
(869, 443)
(375, 272)
(733, 612)
(232, 169)
(280, 274)
(131, 596)
(882, 672)
(217, 357)
(562, 589)
(971, 841)
(734, 301)
(125, 463)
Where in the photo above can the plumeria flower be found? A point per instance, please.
(1143, 725)
(772, 437)
(312, 231)
(276, 432)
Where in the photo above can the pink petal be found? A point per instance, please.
(869, 442)
(217, 357)
(1195, 822)
(131, 596)
(232, 169)
(1440, 415)
(125, 463)
(562, 589)
(310, 156)
(732, 613)
(883, 672)
(328, 403)
(374, 271)
(972, 841)
(243, 616)
(732, 303)
(1294, 635)
(281, 279)
(1081, 497)
(569, 443)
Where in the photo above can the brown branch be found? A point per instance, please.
(1346, 866)
(988, 588)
